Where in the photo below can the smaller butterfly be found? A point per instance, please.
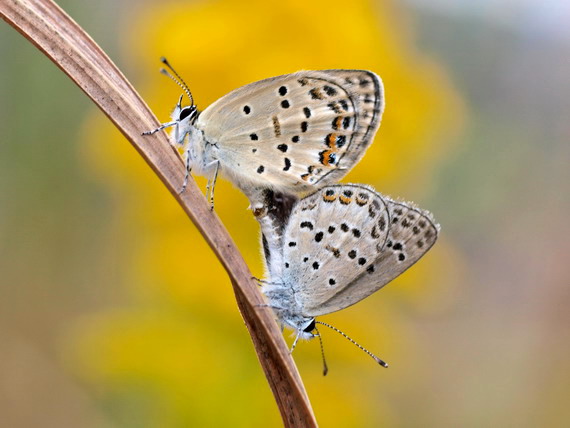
(292, 133)
(338, 246)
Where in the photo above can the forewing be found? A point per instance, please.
(298, 130)
(411, 234)
(332, 238)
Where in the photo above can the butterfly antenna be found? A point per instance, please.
(178, 80)
(325, 368)
(378, 360)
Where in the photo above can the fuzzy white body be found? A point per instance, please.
(281, 298)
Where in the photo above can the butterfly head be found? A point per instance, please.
(304, 327)
(307, 329)
(183, 119)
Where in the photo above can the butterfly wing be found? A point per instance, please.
(411, 234)
(295, 131)
(332, 237)
(405, 233)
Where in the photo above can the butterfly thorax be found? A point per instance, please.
(183, 119)
(201, 153)
(282, 301)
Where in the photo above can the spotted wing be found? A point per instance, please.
(332, 238)
(363, 266)
(411, 234)
(297, 131)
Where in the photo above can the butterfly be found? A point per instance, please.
(292, 133)
(338, 246)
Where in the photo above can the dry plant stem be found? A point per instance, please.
(52, 31)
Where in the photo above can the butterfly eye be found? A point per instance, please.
(310, 327)
(186, 111)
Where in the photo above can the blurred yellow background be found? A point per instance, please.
(114, 312)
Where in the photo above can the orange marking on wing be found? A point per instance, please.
(338, 122)
(276, 126)
(316, 94)
(329, 198)
(326, 157)
(331, 141)
(345, 200)
(333, 250)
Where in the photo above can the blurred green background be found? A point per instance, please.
(114, 313)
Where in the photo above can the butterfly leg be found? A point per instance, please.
(294, 343)
(259, 281)
(212, 184)
(265, 282)
(264, 305)
(188, 170)
(160, 128)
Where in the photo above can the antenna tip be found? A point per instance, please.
(325, 371)
(163, 60)
(382, 363)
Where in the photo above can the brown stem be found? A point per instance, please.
(53, 32)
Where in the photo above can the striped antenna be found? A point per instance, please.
(325, 368)
(178, 80)
(378, 360)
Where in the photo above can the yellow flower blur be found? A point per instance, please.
(176, 352)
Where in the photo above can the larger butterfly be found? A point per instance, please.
(340, 245)
(291, 133)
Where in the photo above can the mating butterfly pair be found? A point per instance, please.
(281, 138)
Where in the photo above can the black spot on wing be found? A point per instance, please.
(330, 91)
